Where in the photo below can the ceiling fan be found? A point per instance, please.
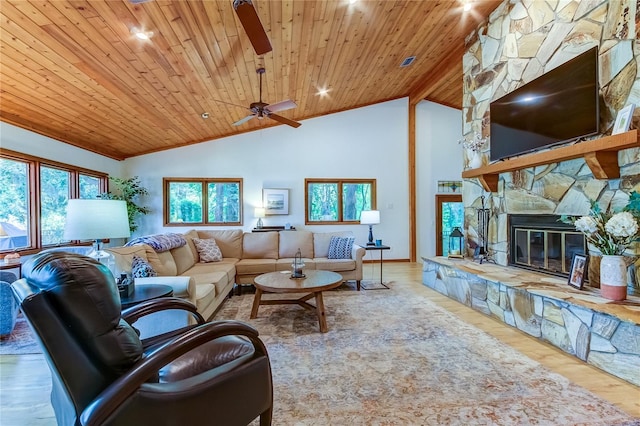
(252, 26)
(260, 109)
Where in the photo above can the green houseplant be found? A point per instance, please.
(129, 190)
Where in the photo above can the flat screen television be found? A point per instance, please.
(559, 106)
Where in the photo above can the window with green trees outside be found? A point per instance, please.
(331, 201)
(203, 201)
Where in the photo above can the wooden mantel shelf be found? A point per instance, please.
(601, 155)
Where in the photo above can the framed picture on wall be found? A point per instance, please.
(275, 201)
(578, 270)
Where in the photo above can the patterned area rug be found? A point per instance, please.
(20, 341)
(395, 358)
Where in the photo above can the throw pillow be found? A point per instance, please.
(141, 269)
(340, 247)
(208, 250)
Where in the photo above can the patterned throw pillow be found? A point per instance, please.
(340, 247)
(141, 269)
(208, 250)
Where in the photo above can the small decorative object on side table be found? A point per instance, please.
(125, 285)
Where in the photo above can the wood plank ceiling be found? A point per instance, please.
(73, 71)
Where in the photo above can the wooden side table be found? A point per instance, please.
(379, 248)
(12, 265)
(144, 292)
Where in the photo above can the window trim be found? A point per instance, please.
(166, 181)
(34, 210)
(340, 182)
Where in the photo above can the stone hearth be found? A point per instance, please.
(601, 332)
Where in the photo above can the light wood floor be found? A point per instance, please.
(25, 380)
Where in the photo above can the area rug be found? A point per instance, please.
(395, 358)
(20, 341)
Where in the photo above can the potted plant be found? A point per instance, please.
(129, 190)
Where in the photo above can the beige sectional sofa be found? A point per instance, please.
(245, 255)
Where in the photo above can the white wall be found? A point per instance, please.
(438, 157)
(369, 142)
(26, 142)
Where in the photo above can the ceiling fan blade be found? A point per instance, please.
(252, 26)
(284, 120)
(244, 120)
(282, 106)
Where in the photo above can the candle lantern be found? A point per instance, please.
(456, 243)
(297, 266)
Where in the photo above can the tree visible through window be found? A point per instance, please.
(34, 196)
(338, 200)
(207, 201)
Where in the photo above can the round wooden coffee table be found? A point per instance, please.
(314, 284)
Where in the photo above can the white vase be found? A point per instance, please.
(613, 277)
(475, 159)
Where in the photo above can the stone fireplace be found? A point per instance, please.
(542, 243)
(519, 42)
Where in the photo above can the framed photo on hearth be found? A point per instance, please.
(275, 201)
(578, 270)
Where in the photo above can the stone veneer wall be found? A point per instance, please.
(600, 339)
(521, 41)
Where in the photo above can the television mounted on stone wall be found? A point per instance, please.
(559, 106)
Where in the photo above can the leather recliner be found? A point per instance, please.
(103, 374)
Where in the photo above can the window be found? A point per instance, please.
(338, 200)
(33, 199)
(202, 201)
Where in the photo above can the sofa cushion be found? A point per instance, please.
(260, 245)
(164, 264)
(189, 236)
(340, 247)
(321, 242)
(183, 258)
(255, 266)
(229, 241)
(208, 250)
(291, 241)
(140, 268)
(124, 256)
(335, 265)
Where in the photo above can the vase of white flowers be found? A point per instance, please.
(611, 234)
(474, 150)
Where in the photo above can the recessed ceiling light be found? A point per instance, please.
(142, 35)
(204, 115)
(467, 6)
(353, 1)
(322, 92)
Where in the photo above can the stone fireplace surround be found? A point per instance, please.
(603, 333)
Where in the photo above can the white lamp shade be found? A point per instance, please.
(96, 219)
(370, 217)
(259, 212)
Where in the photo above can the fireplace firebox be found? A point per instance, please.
(543, 243)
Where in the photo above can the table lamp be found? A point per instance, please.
(370, 217)
(259, 212)
(91, 219)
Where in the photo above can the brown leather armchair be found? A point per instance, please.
(103, 374)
